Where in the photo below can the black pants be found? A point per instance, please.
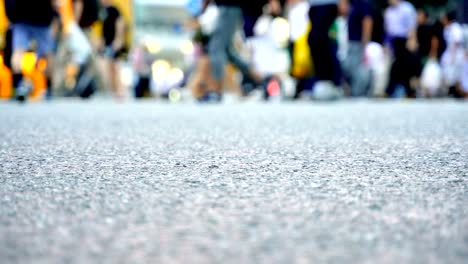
(322, 48)
(403, 68)
(142, 88)
(8, 50)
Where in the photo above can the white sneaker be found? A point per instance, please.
(326, 91)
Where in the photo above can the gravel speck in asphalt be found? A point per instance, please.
(347, 182)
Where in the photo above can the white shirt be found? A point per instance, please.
(464, 80)
(298, 19)
(342, 37)
(453, 35)
(453, 58)
(400, 19)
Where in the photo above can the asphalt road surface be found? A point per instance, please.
(347, 182)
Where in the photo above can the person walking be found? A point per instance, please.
(453, 58)
(401, 29)
(220, 47)
(113, 30)
(360, 24)
(31, 21)
(322, 15)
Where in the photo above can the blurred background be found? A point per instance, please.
(159, 49)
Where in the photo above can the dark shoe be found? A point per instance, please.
(23, 91)
(211, 97)
(247, 85)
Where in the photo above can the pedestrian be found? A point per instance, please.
(299, 53)
(424, 35)
(323, 49)
(142, 59)
(86, 14)
(453, 58)
(360, 25)
(221, 49)
(113, 40)
(202, 22)
(431, 43)
(31, 21)
(463, 88)
(400, 26)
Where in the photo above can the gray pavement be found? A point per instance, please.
(348, 182)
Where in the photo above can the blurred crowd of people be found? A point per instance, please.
(59, 31)
(336, 48)
(343, 48)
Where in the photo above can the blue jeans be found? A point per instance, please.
(221, 48)
(357, 74)
(24, 34)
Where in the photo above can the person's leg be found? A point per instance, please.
(45, 47)
(95, 62)
(249, 34)
(234, 58)
(8, 50)
(362, 81)
(410, 70)
(337, 74)
(139, 88)
(320, 50)
(221, 49)
(114, 75)
(219, 43)
(404, 69)
(323, 55)
(200, 80)
(397, 71)
(394, 80)
(20, 43)
(48, 73)
(360, 74)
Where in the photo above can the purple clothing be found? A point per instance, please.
(400, 20)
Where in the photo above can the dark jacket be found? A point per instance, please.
(31, 12)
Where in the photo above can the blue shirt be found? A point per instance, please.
(194, 7)
(359, 10)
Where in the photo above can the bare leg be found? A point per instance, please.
(16, 60)
(16, 64)
(201, 78)
(114, 77)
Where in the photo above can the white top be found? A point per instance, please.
(298, 18)
(454, 59)
(464, 80)
(453, 35)
(400, 19)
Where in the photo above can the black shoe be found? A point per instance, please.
(49, 96)
(22, 92)
(211, 97)
(247, 85)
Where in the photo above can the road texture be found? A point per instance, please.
(347, 182)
